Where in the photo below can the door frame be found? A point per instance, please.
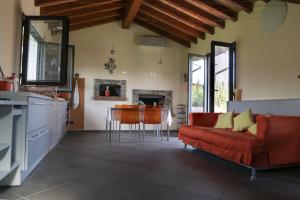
(232, 71)
(205, 98)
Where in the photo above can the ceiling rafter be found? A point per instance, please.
(94, 22)
(180, 17)
(78, 19)
(237, 5)
(167, 28)
(131, 13)
(215, 9)
(163, 33)
(194, 12)
(91, 10)
(39, 3)
(168, 20)
(61, 9)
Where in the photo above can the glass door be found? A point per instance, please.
(222, 75)
(197, 83)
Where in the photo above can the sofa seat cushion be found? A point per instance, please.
(238, 147)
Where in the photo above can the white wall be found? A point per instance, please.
(10, 32)
(267, 63)
(92, 50)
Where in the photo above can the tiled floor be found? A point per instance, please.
(87, 167)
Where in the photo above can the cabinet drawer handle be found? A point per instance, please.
(41, 104)
(38, 135)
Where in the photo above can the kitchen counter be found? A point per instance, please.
(13, 103)
(22, 96)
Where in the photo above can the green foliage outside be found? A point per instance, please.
(197, 95)
(221, 97)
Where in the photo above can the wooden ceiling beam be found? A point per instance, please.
(163, 9)
(77, 19)
(95, 22)
(170, 21)
(194, 12)
(163, 33)
(62, 9)
(40, 3)
(237, 5)
(131, 13)
(91, 10)
(167, 28)
(215, 9)
(83, 14)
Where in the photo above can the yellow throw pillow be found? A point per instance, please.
(243, 121)
(224, 120)
(253, 129)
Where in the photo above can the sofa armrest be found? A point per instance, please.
(262, 126)
(203, 119)
(281, 135)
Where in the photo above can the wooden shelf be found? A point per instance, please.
(4, 146)
(103, 98)
(3, 174)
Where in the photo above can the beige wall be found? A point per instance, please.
(10, 32)
(267, 63)
(92, 50)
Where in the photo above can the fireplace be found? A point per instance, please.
(163, 98)
(151, 99)
(114, 90)
(117, 90)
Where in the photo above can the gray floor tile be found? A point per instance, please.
(5, 194)
(35, 183)
(147, 175)
(86, 166)
(202, 187)
(63, 192)
(182, 195)
(132, 190)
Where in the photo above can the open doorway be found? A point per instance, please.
(197, 83)
(222, 75)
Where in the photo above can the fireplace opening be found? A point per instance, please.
(150, 99)
(114, 90)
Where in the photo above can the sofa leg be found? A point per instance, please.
(253, 174)
(185, 146)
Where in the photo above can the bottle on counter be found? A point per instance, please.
(14, 84)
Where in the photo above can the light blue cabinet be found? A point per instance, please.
(36, 130)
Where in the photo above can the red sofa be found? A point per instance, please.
(276, 144)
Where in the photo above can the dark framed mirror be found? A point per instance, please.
(70, 71)
(44, 50)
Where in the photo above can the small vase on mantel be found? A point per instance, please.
(237, 94)
(107, 92)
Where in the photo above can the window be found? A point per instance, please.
(32, 59)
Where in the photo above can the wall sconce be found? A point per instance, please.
(298, 76)
(152, 74)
